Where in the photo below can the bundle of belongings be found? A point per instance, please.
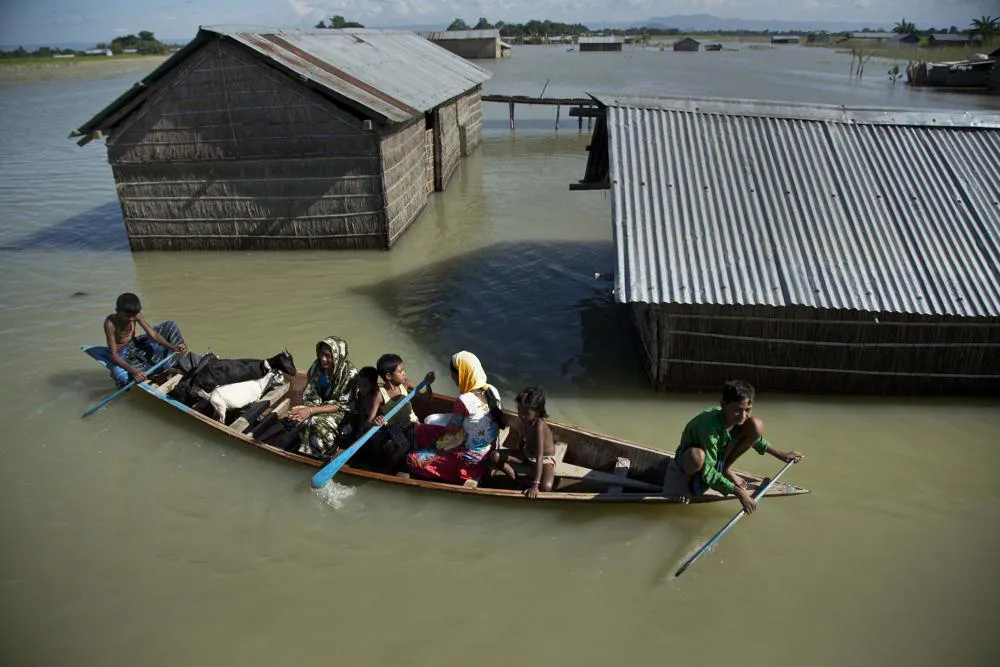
(215, 386)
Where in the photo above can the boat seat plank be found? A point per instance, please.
(621, 470)
(170, 383)
(601, 477)
(240, 424)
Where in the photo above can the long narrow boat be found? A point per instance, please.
(590, 467)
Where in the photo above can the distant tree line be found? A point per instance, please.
(144, 43)
(338, 22)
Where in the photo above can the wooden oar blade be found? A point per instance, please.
(331, 468)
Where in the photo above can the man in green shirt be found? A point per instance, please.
(713, 440)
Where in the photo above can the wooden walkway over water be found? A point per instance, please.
(580, 107)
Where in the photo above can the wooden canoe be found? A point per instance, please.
(592, 467)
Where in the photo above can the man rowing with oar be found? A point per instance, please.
(711, 443)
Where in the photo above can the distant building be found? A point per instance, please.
(98, 52)
(954, 39)
(784, 39)
(64, 55)
(599, 44)
(818, 38)
(687, 44)
(886, 37)
(289, 139)
(471, 44)
(130, 51)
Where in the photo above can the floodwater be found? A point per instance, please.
(134, 537)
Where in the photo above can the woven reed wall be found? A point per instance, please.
(802, 349)
(447, 144)
(230, 153)
(429, 159)
(404, 169)
(470, 121)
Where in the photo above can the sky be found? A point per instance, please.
(91, 21)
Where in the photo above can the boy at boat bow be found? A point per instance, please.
(713, 440)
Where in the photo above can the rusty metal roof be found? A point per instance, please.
(392, 75)
(461, 34)
(740, 202)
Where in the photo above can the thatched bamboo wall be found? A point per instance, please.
(470, 121)
(429, 159)
(233, 154)
(472, 48)
(404, 169)
(803, 349)
(447, 144)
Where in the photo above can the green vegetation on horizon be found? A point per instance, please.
(145, 44)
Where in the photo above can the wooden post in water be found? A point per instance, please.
(511, 105)
(557, 116)
(579, 122)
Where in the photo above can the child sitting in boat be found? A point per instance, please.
(535, 444)
(713, 440)
(355, 422)
(128, 354)
(403, 432)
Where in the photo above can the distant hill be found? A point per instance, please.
(709, 23)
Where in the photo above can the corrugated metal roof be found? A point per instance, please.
(461, 34)
(393, 74)
(611, 39)
(755, 203)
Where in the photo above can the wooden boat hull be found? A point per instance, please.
(598, 468)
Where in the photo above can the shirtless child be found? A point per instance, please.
(131, 355)
(535, 443)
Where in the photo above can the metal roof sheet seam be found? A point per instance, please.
(756, 203)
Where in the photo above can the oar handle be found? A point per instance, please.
(331, 468)
(732, 522)
(91, 410)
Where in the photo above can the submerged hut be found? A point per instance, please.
(471, 44)
(687, 44)
(806, 248)
(608, 44)
(784, 39)
(267, 139)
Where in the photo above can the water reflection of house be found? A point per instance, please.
(289, 138)
(599, 44)
(802, 247)
(687, 44)
(472, 44)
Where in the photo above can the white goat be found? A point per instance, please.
(240, 394)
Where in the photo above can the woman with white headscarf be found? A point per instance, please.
(477, 416)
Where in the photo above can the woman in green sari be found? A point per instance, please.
(326, 399)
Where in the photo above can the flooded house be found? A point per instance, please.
(954, 39)
(804, 247)
(609, 44)
(911, 39)
(471, 44)
(687, 44)
(251, 138)
(784, 39)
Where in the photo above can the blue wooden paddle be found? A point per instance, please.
(91, 410)
(331, 468)
(732, 522)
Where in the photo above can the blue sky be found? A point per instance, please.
(59, 21)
